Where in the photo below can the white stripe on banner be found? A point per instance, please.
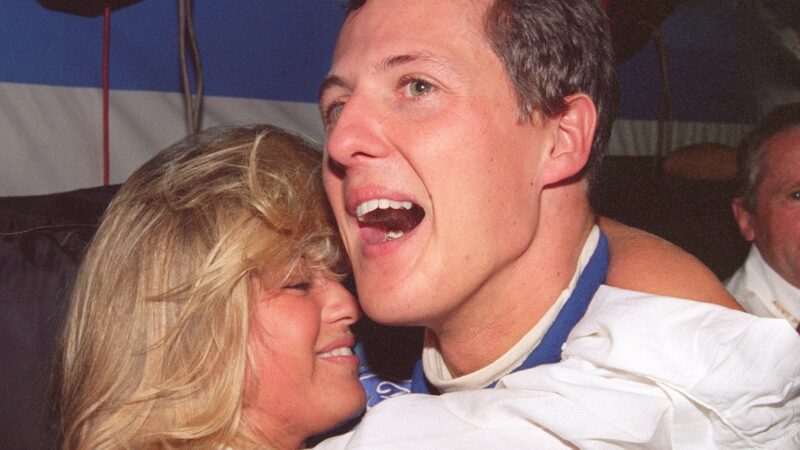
(52, 136)
(640, 137)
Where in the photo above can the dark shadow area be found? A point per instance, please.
(693, 214)
(42, 241)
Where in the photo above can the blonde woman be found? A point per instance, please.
(208, 311)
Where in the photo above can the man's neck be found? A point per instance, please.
(516, 297)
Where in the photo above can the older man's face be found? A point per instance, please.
(433, 179)
(775, 224)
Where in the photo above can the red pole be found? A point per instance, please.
(106, 33)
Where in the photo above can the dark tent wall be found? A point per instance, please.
(728, 63)
(710, 78)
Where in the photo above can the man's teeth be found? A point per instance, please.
(341, 351)
(393, 234)
(379, 203)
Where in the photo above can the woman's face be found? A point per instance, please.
(306, 375)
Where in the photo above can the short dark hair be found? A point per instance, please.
(552, 49)
(750, 156)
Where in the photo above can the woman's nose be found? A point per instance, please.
(340, 305)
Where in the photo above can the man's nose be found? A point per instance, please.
(358, 134)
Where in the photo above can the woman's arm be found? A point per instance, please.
(643, 262)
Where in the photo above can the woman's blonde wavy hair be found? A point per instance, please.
(154, 350)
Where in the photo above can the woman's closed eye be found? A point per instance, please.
(298, 286)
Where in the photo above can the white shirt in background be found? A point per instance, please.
(763, 292)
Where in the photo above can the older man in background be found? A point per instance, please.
(768, 212)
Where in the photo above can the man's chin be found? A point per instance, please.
(392, 310)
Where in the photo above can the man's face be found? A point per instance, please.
(422, 124)
(775, 226)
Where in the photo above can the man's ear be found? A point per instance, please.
(744, 218)
(575, 129)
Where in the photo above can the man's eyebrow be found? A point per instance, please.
(330, 82)
(385, 64)
(425, 58)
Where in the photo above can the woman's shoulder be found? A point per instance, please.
(644, 262)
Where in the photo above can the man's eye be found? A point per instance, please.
(418, 88)
(332, 113)
(795, 195)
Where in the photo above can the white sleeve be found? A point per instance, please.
(683, 375)
(564, 405)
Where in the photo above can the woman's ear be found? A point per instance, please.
(574, 129)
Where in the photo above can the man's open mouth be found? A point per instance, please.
(388, 219)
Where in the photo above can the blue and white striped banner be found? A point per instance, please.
(263, 61)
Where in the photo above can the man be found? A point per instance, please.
(462, 141)
(768, 212)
